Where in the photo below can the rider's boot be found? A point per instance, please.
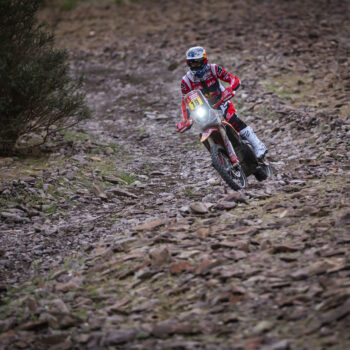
(259, 148)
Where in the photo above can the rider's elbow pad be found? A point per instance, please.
(237, 87)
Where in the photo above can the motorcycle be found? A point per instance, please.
(231, 155)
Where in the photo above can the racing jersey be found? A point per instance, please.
(210, 84)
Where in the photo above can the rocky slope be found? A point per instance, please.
(124, 237)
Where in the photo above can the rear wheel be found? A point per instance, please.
(232, 174)
(264, 170)
(260, 174)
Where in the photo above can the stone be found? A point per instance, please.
(214, 181)
(72, 285)
(198, 208)
(121, 336)
(120, 192)
(185, 328)
(146, 306)
(138, 184)
(300, 274)
(53, 339)
(108, 151)
(163, 329)
(336, 314)
(34, 325)
(178, 267)
(203, 232)
(114, 180)
(344, 220)
(50, 319)
(185, 209)
(206, 265)
(253, 343)
(145, 273)
(159, 257)
(178, 226)
(237, 197)
(32, 304)
(98, 191)
(323, 266)
(60, 305)
(12, 217)
(120, 306)
(157, 173)
(67, 320)
(150, 225)
(96, 159)
(280, 345)
(186, 254)
(82, 338)
(284, 248)
(238, 254)
(226, 205)
(263, 326)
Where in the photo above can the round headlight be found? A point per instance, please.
(201, 112)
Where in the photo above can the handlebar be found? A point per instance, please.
(223, 99)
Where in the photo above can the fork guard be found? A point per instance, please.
(224, 122)
(243, 149)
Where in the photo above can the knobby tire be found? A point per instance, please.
(235, 183)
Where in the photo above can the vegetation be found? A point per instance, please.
(36, 92)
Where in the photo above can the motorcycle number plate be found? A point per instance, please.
(194, 101)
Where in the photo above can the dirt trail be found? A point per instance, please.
(125, 237)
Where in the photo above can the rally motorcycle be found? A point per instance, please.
(231, 155)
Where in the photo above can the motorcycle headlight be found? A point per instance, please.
(201, 112)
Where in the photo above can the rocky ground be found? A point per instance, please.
(120, 235)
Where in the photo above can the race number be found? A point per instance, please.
(196, 102)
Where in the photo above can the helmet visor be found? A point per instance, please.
(196, 64)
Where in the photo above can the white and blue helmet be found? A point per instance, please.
(197, 60)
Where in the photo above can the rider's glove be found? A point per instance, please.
(184, 125)
(227, 94)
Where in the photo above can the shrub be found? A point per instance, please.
(36, 92)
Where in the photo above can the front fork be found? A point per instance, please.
(228, 145)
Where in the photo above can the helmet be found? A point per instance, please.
(197, 60)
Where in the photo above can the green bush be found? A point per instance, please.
(36, 92)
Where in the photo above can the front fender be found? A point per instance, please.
(207, 133)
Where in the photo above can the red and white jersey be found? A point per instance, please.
(210, 84)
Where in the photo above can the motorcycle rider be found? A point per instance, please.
(206, 77)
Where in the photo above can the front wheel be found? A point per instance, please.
(232, 174)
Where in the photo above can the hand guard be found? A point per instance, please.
(227, 94)
(184, 125)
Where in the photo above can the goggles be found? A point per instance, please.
(196, 64)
